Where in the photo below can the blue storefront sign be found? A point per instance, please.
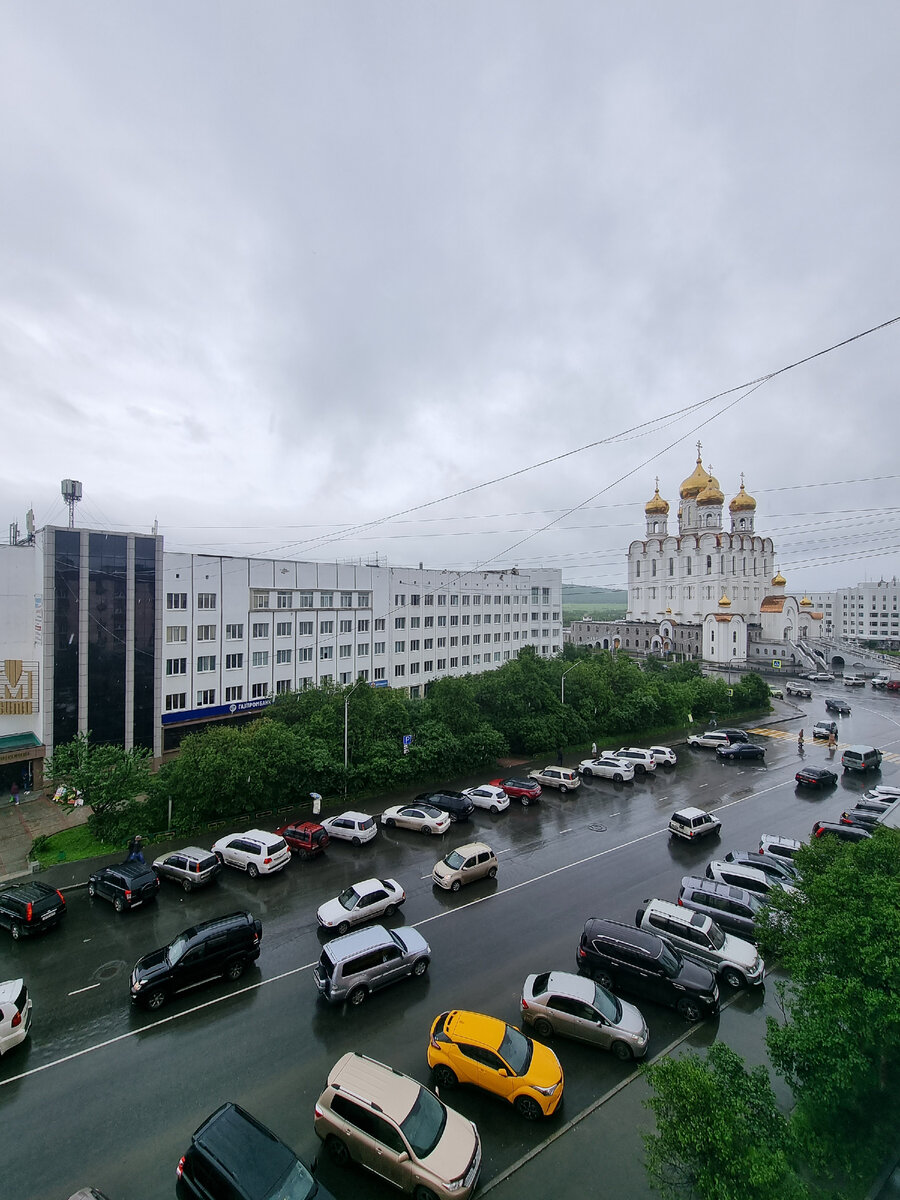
(216, 710)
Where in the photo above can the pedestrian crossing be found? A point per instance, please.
(789, 735)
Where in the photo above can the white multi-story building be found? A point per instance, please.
(867, 612)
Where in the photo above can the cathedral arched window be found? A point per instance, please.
(687, 566)
(671, 566)
(637, 570)
(741, 523)
(709, 564)
(653, 568)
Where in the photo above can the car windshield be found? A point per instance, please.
(607, 1005)
(368, 823)
(454, 860)
(349, 898)
(716, 937)
(516, 1049)
(176, 949)
(298, 1184)
(670, 960)
(425, 1123)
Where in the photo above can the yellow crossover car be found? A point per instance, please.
(467, 1047)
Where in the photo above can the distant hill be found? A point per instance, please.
(576, 593)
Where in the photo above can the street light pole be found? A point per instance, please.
(562, 682)
(358, 683)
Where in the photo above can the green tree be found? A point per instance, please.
(719, 1133)
(109, 778)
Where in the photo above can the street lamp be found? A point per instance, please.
(562, 681)
(358, 683)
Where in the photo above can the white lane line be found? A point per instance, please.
(416, 925)
(569, 830)
(700, 785)
(90, 987)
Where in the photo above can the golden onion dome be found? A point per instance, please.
(656, 506)
(712, 493)
(696, 482)
(724, 602)
(743, 501)
(806, 602)
(779, 580)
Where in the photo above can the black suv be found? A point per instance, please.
(621, 958)
(457, 806)
(222, 946)
(30, 908)
(127, 885)
(234, 1155)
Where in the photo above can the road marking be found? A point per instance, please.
(702, 785)
(569, 830)
(90, 987)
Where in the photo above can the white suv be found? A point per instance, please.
(620, 770)
(691, 823)
(700, 939)
(15, 1014)
(665, 756)
(710, 739)
(256, 852)
(778, 846)
(354, 827)
(642, 760)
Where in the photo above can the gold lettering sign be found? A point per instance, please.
(18, 687)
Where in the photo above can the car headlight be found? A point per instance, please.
(546, 1091)
(137, 984)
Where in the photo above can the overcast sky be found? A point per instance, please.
(274, 271)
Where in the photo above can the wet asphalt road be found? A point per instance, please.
(107, 1095)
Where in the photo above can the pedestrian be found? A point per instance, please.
(135, 851)
(593, 749)
(14, 793)
(832, 740)
(559, 757)
(800, 740)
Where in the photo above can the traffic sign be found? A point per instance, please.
(776, 663)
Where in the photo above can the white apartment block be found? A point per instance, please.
(867, 612)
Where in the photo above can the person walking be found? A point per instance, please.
(135, 851)
(800, 740)
(832, 740)
(14, 793)
(593, 749)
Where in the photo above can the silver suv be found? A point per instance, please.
(358, 963)
(398, 1129)
(699, 938)
(691, 823)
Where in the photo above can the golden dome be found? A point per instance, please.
(779, 580)
(743, 501)
(712, 493)
(656, 506)
(724, 602)
(695, 483)
(806, 602)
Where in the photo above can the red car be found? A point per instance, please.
(893, 686)
(306, 839)
(526, 790)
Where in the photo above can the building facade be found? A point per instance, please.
(866, 613)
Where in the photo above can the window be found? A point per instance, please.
(653, 568)
(304, 654)
(454, 600)
(258, 691)
(206, 662)
(379, 647)
(399, 622)
(442, 599)
(362, 600)
(442, 622)
(206, 633)
(176, 701)
(400, 669)
(346, 677)
(362, 650)
(454, 641)
(176, 599)
(284, 600)
(442, 664)
(325, 678)
(429, 643)
(260, 629)
(259, 599)
(442, 641)
(282, 629)
(414, 668)
(326, 600)
(476, 660)
(234, 693)
(399, 600)
(415, 622)
(305, 600)
(429, 622)
(282, 686)
(282, 656)
(362, 626)
(206, 599)
(399, 647)
(326, 652)
(260, 658)
(346, 599)
(206, 696)
(234, 662)
(176, 666)
(465, 657)
(476, 618)
(414, 644)
(379, 624)
(476, 599)
(454, 618)
(378, 673)
(429, 598)
(176, 633)
(415, 599)
(454, 662)
(428, 665)
(345, 650)
(345, 626)
(709, 564)
(234, 633)
(304, 628)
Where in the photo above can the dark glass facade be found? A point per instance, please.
(66, 552)
(144, 639)
(107, 597)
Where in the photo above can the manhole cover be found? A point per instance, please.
(598, 828)
(109, 971)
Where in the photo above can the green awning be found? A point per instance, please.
(19, 741)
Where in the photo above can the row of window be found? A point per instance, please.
(464, 600)
(261, 599)
(688, 566)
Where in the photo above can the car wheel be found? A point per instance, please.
(119, 904)
(253, 870)
(622, 1051)
(92, 891)
(337, 1151)
(355, 841)
(733, 977)
(343, 928)
(423, 1193)
(587, 772)
(603, 978)
(617, 778)
(16, 930)
(543, 1028)
(640, 768)
(303, 855)
(492, 873)
(444, 1077)
(156, 999)
(420, 966)
(689, 1009)
(427, 829)
(390, 910)
(528, 1107)
(455, 885)
(525, 801)
(357, 996)
(186, 884)
(562, 789)
(390, 822)
(494, 809)
(235, 969)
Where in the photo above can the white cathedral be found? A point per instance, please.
(705, 591)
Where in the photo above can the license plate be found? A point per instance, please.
(136, 903)
(47, 915)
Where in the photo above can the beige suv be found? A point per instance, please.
(398, 1129)
(465, 864)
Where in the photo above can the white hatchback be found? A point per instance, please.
(354, 827)
(488, 796)
(15, 1014)
(256, 851)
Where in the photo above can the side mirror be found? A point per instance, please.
(403, 1157)
(503, 1072)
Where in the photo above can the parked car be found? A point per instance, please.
(353, 827)
(888, 791)
(27, 908)
(465, 864)
(422, 818)
(192, 867)
(861, 758)
(577, 1007)
(621, 958)
(776, 693)
(825, 729)
(836, 704)
(816, 777)
(892, 685)
(710, 739)
(665, 756)
(15, 1014)
(776, 846)
(457, 806)
(692, 823)
(127, 885)
(752, 879)
(306, 839)
(256, 851)
(734, 908)
(220, 947)
(489, 796)
(799, 690)
(854, 681)
(524, 790)
(861, 815)
(738, 750)
(616, 769)
(735, 735)
(384, 1120)
(235, 1156)
(563, 778)
(778, 869)
(365, 960)
(698, 937)
(643, 760)
(821, 677)
(469, 1047)
(363, 901)
(846, 833)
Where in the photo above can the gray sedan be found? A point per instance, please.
(558, 1002)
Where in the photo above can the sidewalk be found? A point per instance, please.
(36, 815)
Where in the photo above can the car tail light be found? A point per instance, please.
(266, 861)
(318, 1112)
(681, 902)
(581, 952)
(28, 911)
(524, 1002)
(61, 896)
(128, 893)
(403, 895)
(17, 1020)
(179, 1170)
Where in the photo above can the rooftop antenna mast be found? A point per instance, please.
(71, 493)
